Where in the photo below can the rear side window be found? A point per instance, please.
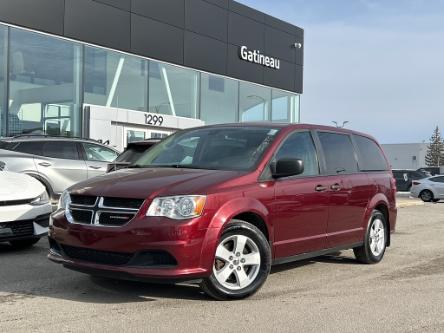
(61, 149)
(370, 155)
(7, 145)
(339, 153)
(32, 147)
(300, 145)
(99, 153)
(439, 179)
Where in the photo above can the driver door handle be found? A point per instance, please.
(45, 164)
(335, 187)
(94, 167)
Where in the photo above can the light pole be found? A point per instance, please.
(340, 126)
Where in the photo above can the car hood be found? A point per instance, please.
(142, 183)
(17, 186)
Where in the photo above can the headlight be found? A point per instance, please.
(42, 199)
(64, 202)
(177, 207)
(3, 166)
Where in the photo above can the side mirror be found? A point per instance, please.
(286, 167)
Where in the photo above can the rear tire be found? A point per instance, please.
(426, 196)
(24, 243)
(375, 241)
(241, 265)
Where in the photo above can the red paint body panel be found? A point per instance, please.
(298, 218)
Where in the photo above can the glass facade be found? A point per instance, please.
(173, 90)
(3, 105)
(43, 84)
(218, 100)
(45, 80)
(254, 102)
(115, 79)
(284, 106)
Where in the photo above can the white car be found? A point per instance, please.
(428, 189)
(24, 209)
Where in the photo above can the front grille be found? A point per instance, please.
(96, 256)
(114, 218)
(82, 216)
(18, 229)
(155, 258)
(122, 203)
(84, 200)
(105, 211)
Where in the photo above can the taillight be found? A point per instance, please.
(416, 183)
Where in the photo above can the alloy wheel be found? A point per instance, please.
(237, 262)
(377, 237)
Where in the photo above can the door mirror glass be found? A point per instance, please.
(286, 167)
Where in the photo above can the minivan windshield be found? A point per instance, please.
(216, 148)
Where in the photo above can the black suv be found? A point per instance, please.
(404, 178)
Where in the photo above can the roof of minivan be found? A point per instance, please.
(291, 126)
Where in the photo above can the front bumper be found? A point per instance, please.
(144, 249)
(24, 229)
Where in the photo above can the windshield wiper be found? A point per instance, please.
(135, 166)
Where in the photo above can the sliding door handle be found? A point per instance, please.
(320, 188)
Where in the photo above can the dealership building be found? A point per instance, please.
(124, 70)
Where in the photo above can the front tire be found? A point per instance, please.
(375, 241)
(241, 265)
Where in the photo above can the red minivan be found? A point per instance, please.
(220, 204)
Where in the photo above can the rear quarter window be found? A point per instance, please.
(439, 179)
(371, 157)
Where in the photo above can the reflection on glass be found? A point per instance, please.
(134, 136)
(43, 91)
(115, 79)
(219, 98)
(284, 106)
(173, 90)
(2, 81)
(254, 102)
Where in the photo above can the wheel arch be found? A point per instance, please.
(42, 179)
(247, 209)
(379, 203)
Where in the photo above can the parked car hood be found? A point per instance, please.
(17, 186)
(141, 183)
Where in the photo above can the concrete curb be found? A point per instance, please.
(408, 203)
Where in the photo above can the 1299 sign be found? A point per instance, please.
(153, 120)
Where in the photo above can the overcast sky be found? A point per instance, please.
(378, 64)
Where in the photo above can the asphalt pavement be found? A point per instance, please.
(404, 293)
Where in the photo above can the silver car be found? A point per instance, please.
(428, 189)
(57, 163)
